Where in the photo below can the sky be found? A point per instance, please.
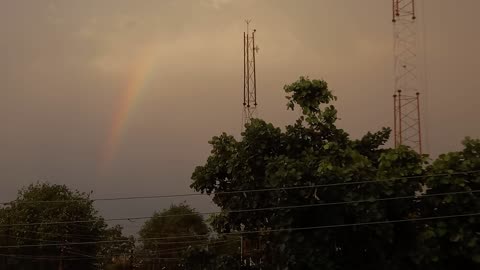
(120, 97)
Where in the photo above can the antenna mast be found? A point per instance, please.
(249, 76)
(406, 97)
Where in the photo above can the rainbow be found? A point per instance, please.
(141, 73)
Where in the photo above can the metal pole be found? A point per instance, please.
(419, 125)
(395, 6)
(60, 264)
(395, 120)
(7, 242)
(241, 250)
(254, 69)
(244, 69)
(393, 11)
(400, 115)
(413, 10)
(248, 71)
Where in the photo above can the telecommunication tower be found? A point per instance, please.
(249, 76)
(406, 97)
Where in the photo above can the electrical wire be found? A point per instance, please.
(72, 258)
(209, 244)
(426, 79)
(370, 200)
(96, 257)
(244, 191)
(333, 226)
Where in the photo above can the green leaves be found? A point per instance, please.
(313, 151)
(77, 206)
(318, 153)
(178, 220)
(456, 239)
(310, 95)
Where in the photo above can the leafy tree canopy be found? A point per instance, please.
(178, 221)
(42, 203)
(314, 151)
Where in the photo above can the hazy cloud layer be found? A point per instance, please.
(65, 65)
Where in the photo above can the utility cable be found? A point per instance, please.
(247, 210)
(333, 226)
(246, 190)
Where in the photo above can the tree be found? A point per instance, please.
(57, 204)
(452, 243)
(179, 228)
(119, 254)
(314, 151)
(4, 238)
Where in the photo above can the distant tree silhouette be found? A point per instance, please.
(26, 210)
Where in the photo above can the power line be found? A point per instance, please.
(247, 210)
(84, 236)
(151, 239)
(269, 230)
(215, 244)
(246, 190)
(122, 239)
(72, 258)
(81, 256)
(29, 257)
(159, 252)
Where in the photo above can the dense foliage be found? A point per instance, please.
(363, 173)
(46, 245)
(168, 234)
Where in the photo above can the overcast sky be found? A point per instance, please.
(65, 66)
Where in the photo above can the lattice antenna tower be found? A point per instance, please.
(406, 97)
(249, 75)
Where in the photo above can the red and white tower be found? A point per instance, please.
(406, 98)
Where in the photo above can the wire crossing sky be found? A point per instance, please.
(382, 222)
